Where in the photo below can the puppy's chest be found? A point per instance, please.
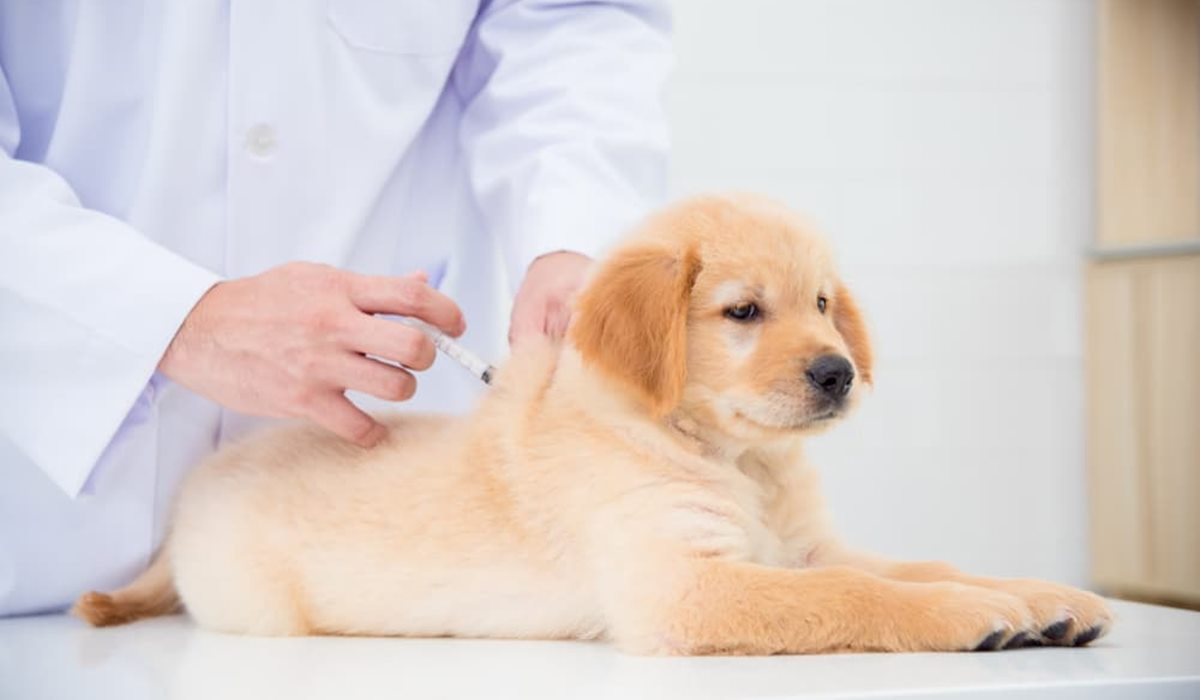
(774, 533)
(767, 546)
(768, 538)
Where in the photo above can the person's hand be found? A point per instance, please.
(290, 341)
(543, 303)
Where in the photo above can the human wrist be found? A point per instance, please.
(175, 357)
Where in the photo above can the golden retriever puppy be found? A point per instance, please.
(642, 482)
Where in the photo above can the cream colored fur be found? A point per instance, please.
(643, 482)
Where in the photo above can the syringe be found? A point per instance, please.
(448, 345)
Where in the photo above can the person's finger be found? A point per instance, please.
(393, 341)
(527, 320)
(335, 413)
(373, 377)
(558, 317)
(406, 296)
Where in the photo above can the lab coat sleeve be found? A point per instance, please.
(87, 307)
(563, 129)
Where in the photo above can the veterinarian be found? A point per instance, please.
(163, 165)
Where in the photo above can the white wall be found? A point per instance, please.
(945, 147)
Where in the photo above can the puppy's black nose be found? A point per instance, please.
(832, 374)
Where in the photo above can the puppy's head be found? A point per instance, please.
(730, 309)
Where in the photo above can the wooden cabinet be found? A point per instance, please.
(1144, 419)
(1143, 303)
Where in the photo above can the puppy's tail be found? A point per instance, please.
(151, 594)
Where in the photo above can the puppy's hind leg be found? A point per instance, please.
(242, 593)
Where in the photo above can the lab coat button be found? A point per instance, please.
(260, 140)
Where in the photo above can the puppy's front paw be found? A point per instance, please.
(947, 616)
(1064, 616)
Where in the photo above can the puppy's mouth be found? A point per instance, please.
(793, 425)
(831, 414)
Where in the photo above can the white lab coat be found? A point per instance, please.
(151, 148)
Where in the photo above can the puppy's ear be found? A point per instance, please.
(630, 321)
(849, 322)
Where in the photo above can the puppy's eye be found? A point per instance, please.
(746, 311)
(822, 302)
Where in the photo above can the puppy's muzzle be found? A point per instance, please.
(832, 376)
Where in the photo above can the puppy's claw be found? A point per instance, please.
(990, 642)
(1017, 641)
(1088, 636)
(1057, 631)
